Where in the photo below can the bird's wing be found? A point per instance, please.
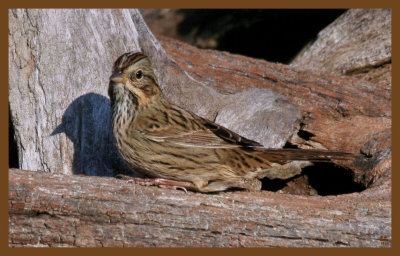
(207, 135)
(227, 135)
(211, 135)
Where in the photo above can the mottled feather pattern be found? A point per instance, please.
(160, 139)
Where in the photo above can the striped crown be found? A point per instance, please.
(127, 60)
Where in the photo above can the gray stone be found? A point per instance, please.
(261, 115)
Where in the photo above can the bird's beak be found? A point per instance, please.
(117, 77)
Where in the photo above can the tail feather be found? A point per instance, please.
(315, 155)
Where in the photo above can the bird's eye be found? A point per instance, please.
(139, 74)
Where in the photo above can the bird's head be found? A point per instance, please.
(133, 77)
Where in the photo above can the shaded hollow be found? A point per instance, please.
(12, 145)
(322, 179)
(330, 179)
(273, 34)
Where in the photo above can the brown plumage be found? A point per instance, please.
(162, 140)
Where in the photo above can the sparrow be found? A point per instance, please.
(174, 147)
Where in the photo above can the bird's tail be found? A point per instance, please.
(286, 163)
(314, 155)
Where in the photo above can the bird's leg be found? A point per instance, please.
(217, 186)
(159, 182)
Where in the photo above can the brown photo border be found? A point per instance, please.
(181, 4)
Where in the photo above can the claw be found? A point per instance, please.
(172, 187)
(159, 182)
(182, 188)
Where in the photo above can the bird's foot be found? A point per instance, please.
(159, 182)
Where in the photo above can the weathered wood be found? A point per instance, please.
(340, 113)
(60, 62)
(337, 112)
(63, 210)
(57, 86)
(359, 43)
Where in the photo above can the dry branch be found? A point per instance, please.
(63, 210)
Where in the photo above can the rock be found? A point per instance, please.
(270, 117)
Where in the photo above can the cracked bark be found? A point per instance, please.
(64, 109)
(61, 210)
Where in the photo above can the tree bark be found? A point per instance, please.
(359, 44)
(63, 210)
(60, 61)
(350, 112)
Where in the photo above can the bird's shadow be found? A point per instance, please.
(86, 122)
